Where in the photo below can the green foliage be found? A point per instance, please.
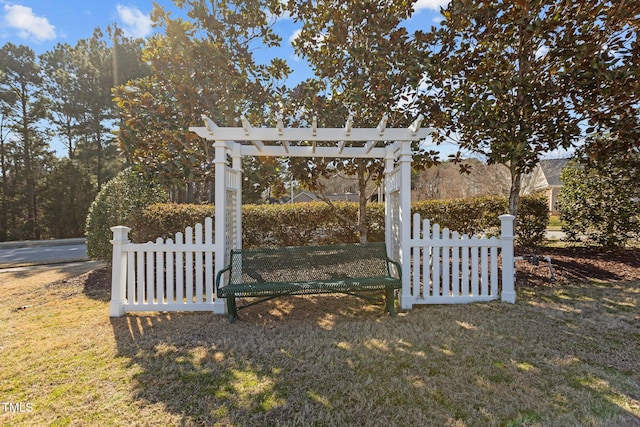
(166, 219)
(599, 199)
(318, 223)
(203, 64)
(117, 204)
(515, 79)
(532, 220)
(365, 66)
(67, 196)
(24, 154)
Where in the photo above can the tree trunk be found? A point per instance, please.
(514, 193)
(3, 198)
(363, 224)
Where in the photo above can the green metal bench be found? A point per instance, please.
(271, 273)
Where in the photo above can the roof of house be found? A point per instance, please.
(552, 169)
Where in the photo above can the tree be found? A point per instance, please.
(4, 171)
(95, 80)
(598, 44)
(24, 105)
(599, 198)
(200, 66)
(66, 196)
(362, 58)
(444, 181)
(493, 77)
(60, 82)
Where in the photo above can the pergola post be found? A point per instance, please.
(388, 205)
(404, 160)
(220, 164)
(236, 164)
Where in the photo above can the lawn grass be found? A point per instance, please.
(555, 223)
(563, 355)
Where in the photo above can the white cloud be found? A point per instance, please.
(292, 38)
(430, 4)
(295, 35)
(135, 23)
(28, 25)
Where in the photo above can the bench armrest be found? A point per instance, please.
(219, 275)
(397, 264)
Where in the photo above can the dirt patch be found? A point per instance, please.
(578, 264)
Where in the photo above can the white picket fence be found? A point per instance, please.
(178, 275)
(447, 268)
(165, 275)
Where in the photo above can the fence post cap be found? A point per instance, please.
(506, 217)
(120, 234)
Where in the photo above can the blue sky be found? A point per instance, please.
(41, 24)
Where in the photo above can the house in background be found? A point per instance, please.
(545, 178)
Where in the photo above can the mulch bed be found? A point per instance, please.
(574, 264)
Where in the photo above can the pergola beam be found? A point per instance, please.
(413, 133)
(369, 146)
(310, 151)
(341, 146)
(311, 136)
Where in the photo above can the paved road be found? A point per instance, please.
(14, 254)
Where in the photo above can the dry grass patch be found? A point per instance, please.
(563, 355)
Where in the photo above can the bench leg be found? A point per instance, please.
(232, 310)
(390, 302)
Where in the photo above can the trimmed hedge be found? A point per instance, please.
(316, 223)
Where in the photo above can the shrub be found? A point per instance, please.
(532, 220)
(598, 199)
(317, 223)
(117, 204)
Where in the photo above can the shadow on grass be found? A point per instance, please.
(555, 358)
(97, 284)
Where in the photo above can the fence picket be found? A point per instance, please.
(466, 291)
(494, 271)
(160, 273)
(180, 270)
(446, 278)
(475, 286)
(170, 274)
(416, 255)
(199, 264)
(484, 266)
(151, 261)
(427, 258)
(140, 277)
(455, 265)
(209, 273)
(188, 237)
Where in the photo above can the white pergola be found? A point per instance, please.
(391, 144)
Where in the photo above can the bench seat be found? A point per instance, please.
(305, 270)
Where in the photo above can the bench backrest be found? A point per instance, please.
(307, 263)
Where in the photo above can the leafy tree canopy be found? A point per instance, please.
(201, 65)
(517, 79)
